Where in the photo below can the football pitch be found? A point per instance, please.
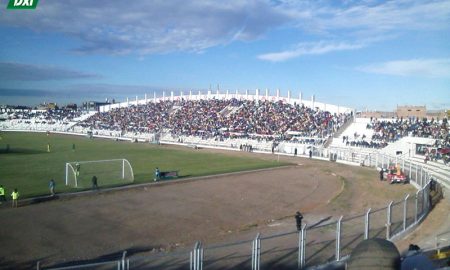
(26, 165)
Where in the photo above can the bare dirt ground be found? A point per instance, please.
(171, 217)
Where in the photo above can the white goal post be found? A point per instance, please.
(108, 172)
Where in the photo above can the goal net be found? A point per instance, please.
(108, 172)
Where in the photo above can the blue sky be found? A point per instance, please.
(363, 54)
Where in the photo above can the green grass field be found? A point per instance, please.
(28, 166)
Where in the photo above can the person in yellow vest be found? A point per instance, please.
(2, 194)
(48, 148)
(15, 197)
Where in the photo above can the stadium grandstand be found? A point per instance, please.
(254, 122)
(265, 124)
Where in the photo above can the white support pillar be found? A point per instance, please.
(128, 102)
(145, 97)
(257, 93)
(300, 97)
(267, 93)
(312, 101)
(199, 95)
(136, 100)
(171, 95)
(289, 96)
(227, 94)
(278, 94)
(154, 96)
(164, 95)
(246, 94)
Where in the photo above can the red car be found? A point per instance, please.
(395, 175)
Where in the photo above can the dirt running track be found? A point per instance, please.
(167, 217)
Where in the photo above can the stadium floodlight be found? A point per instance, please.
(108, 172)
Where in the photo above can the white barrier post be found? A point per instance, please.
(302, 247)
(338, 239)
(405, 205)
(124, 254)
(367, 224)
(256, 252)
(417, 172)
(196, 257)
(416, 213)
(389, 218)
(421, 175)
(410, 169)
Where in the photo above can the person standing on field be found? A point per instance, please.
(298, 220)
(2, 194)
(77, 168)
(51, 186)
(15, 197)
(94, 183)
(157, 174)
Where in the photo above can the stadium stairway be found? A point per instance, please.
(358, 126)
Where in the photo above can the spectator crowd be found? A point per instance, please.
(49, 117)
(390, 131)
(220, 119)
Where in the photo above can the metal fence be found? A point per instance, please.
(313, 244)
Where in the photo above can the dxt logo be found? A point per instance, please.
(22, 4)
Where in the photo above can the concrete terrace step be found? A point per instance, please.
(435, 166)
(440, 171)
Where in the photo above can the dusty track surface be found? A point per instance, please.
(167, 217)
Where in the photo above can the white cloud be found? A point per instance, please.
(160, 26)
(369, 17)
(364, 22)
(310, 48)
(148, 27)
(431, 68)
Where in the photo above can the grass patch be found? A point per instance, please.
(27, 166)
(342, 199)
